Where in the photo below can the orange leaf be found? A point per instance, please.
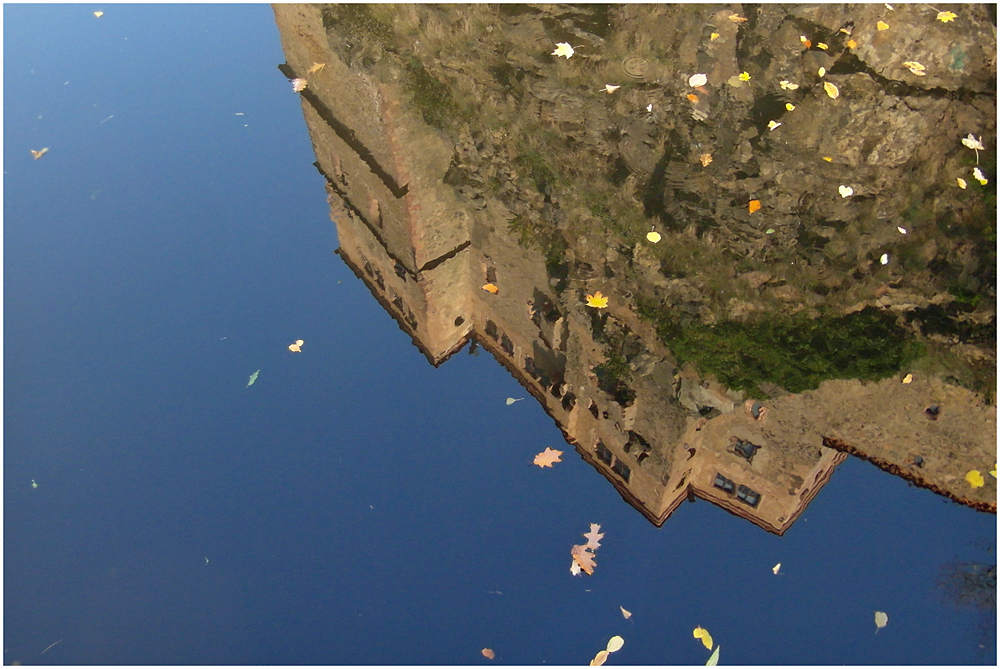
(491, 288)
(488, 654)
(584, 558)
(754, 205)
(547, 457)
(600, 659)
(692, 97)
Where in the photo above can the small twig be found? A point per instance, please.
(43, 652)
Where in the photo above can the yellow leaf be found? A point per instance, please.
(828, 159)
(100, 14)
(882, 25)
(915, 67)
(705, 159)
(316, 67)
(296, 347)
(789, 106)
(547, 457)
(713, 37)
(744, 76)
(491, 288)
(831, 90)
(599, 659)
(851, 44)
(597, 301)
(908, 378)
(488, 654)
(881, 620)
(822, 46)
(736, 18)
(975, 479)
(563, 49)
(821, 72)
(771, 125)
(754, 205)
(653, 236)
(615, 644)
(993, 472)
(944, 17)
(628, 614)
(961, 183)
(705, 637)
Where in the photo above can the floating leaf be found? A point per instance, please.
(787, 85)
(574, 568)
(696, 80)
(584, 558)
(692, 97)
(789, 106)
(615, 644)
(33, 484)
(253, 378)
(488, 654)
(597, 300)
(846, 191)
(961, 183)
(653, 236)
(908, 378)
(706, 638)
(563, 49)
(600, 659)
(978, 174)
(944, 17)
(649, 107)
(775, 568)
(753, 206)
(608, 88)
(744, 76)
(547, 457)
(822, 46)
(805, 41)
(736, 18)
(831, 90)
(511, 400)
(491, 288)
(915, 67)
(902, 231)
(98, 14)
(851, 44)
(884, 259)
(769, 231)
(771, 125)
(593, 537)
(973, 143)
(39, 154)
(882, 25)
(821, 72)
(316, 67)
(713, 37)
(705, 159)
(975, 479)
(828, 159)
(993, 472)
(628, 614)
(881, 620)
(714, 659)
(298, 85)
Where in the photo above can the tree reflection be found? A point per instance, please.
(973, 585)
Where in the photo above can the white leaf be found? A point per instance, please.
(881, 620)
(563, 49)
(788, 86)
(697, 80)
(884, 259)
(771, 125)
(574, 568)
(608, 88)
(846, 191)
(776, 567)
(298, 85)
(973, 143)
(902, 231)
(714, 659)
(511, 400)
(978, 174)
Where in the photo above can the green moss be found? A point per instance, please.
(615, 374)
(796, 352)
(432, 98)
(357, 20)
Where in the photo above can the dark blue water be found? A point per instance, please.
(355, 505)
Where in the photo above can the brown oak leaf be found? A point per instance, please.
(547, 457)
(593, 538)
(584, 558)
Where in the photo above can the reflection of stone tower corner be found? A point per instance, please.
(425, 255)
